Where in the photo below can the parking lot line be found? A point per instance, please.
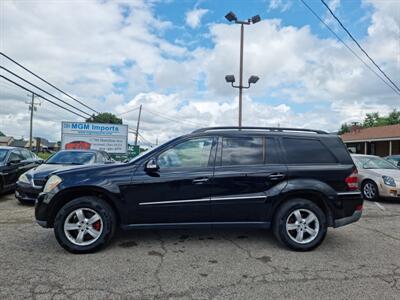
(380, 206)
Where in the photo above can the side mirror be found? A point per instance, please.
(14, 162)
(152, 166)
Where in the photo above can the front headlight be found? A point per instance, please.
(23, 178)
(389, 181)
(52, 183)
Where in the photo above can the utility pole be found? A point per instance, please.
(32, 108)
(137, 125)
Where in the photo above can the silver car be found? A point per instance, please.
(377, 177)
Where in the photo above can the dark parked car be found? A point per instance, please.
(13, 162)
(299, 182)
(394, 159)
(30, 184)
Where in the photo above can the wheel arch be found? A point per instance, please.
(316, 197)
(70, 194)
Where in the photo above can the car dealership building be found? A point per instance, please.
(381, 141)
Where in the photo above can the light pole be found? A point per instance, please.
(231, 17)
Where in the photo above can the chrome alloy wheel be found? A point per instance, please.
(83, 226)
(302, 226)
(369, 190)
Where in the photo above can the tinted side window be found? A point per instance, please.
(100, 158)
(16, 155)
(242, 151)
(26, 154)
(106, 156)
(192, 153)
(302, 151)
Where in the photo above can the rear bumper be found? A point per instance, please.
(348, 220)
(351, 208)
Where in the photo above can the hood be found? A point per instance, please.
(395, 173)
(44, 170)
(83, 169)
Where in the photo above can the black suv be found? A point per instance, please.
(297, 181)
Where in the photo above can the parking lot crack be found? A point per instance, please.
(378, 231)
(160, 264)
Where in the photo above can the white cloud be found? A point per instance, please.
(282, 5)
(193, 17)
(89, 48)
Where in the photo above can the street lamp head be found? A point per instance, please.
(255, 19)
(231, 17)
(230, 78)
(253, 79)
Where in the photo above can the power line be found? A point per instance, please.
(51, 95)
(348, 47)
(359, 46)
(40, 96)
(128, 111)
(44, 80)
(173, 119)
(133, 131)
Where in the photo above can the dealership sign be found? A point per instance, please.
(112, 138)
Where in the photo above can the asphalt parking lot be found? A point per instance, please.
(360, 261)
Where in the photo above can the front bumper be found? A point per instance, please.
(387, 191)
(41, 211)
(26, 192)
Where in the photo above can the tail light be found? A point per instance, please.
(359, 207)
(352, 181)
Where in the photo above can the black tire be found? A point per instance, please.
(373, 186)
(287, 210)
(99, 206)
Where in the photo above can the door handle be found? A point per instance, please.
(200, 180)
(276, 176)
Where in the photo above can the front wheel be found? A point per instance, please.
(300, 224)
(84, 225)
(370, 190)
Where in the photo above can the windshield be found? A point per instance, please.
(372, 163)
(3, 154)
(71, 158)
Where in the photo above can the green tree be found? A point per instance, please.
(374, 120)
(394, 117)
(371, 120)
(2, 134)
(104, 118)
(344, 128)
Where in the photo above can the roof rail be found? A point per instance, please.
(276, 129)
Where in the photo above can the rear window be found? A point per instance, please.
(307, 151)
(247, 151)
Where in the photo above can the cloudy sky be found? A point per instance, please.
(172, 56)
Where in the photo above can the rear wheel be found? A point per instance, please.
(300, 224)
(370, 190)
(84, 225)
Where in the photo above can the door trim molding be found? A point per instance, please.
(175, 201)
(204, 200)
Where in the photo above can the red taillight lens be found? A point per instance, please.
(352, 181)
(359, 207)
